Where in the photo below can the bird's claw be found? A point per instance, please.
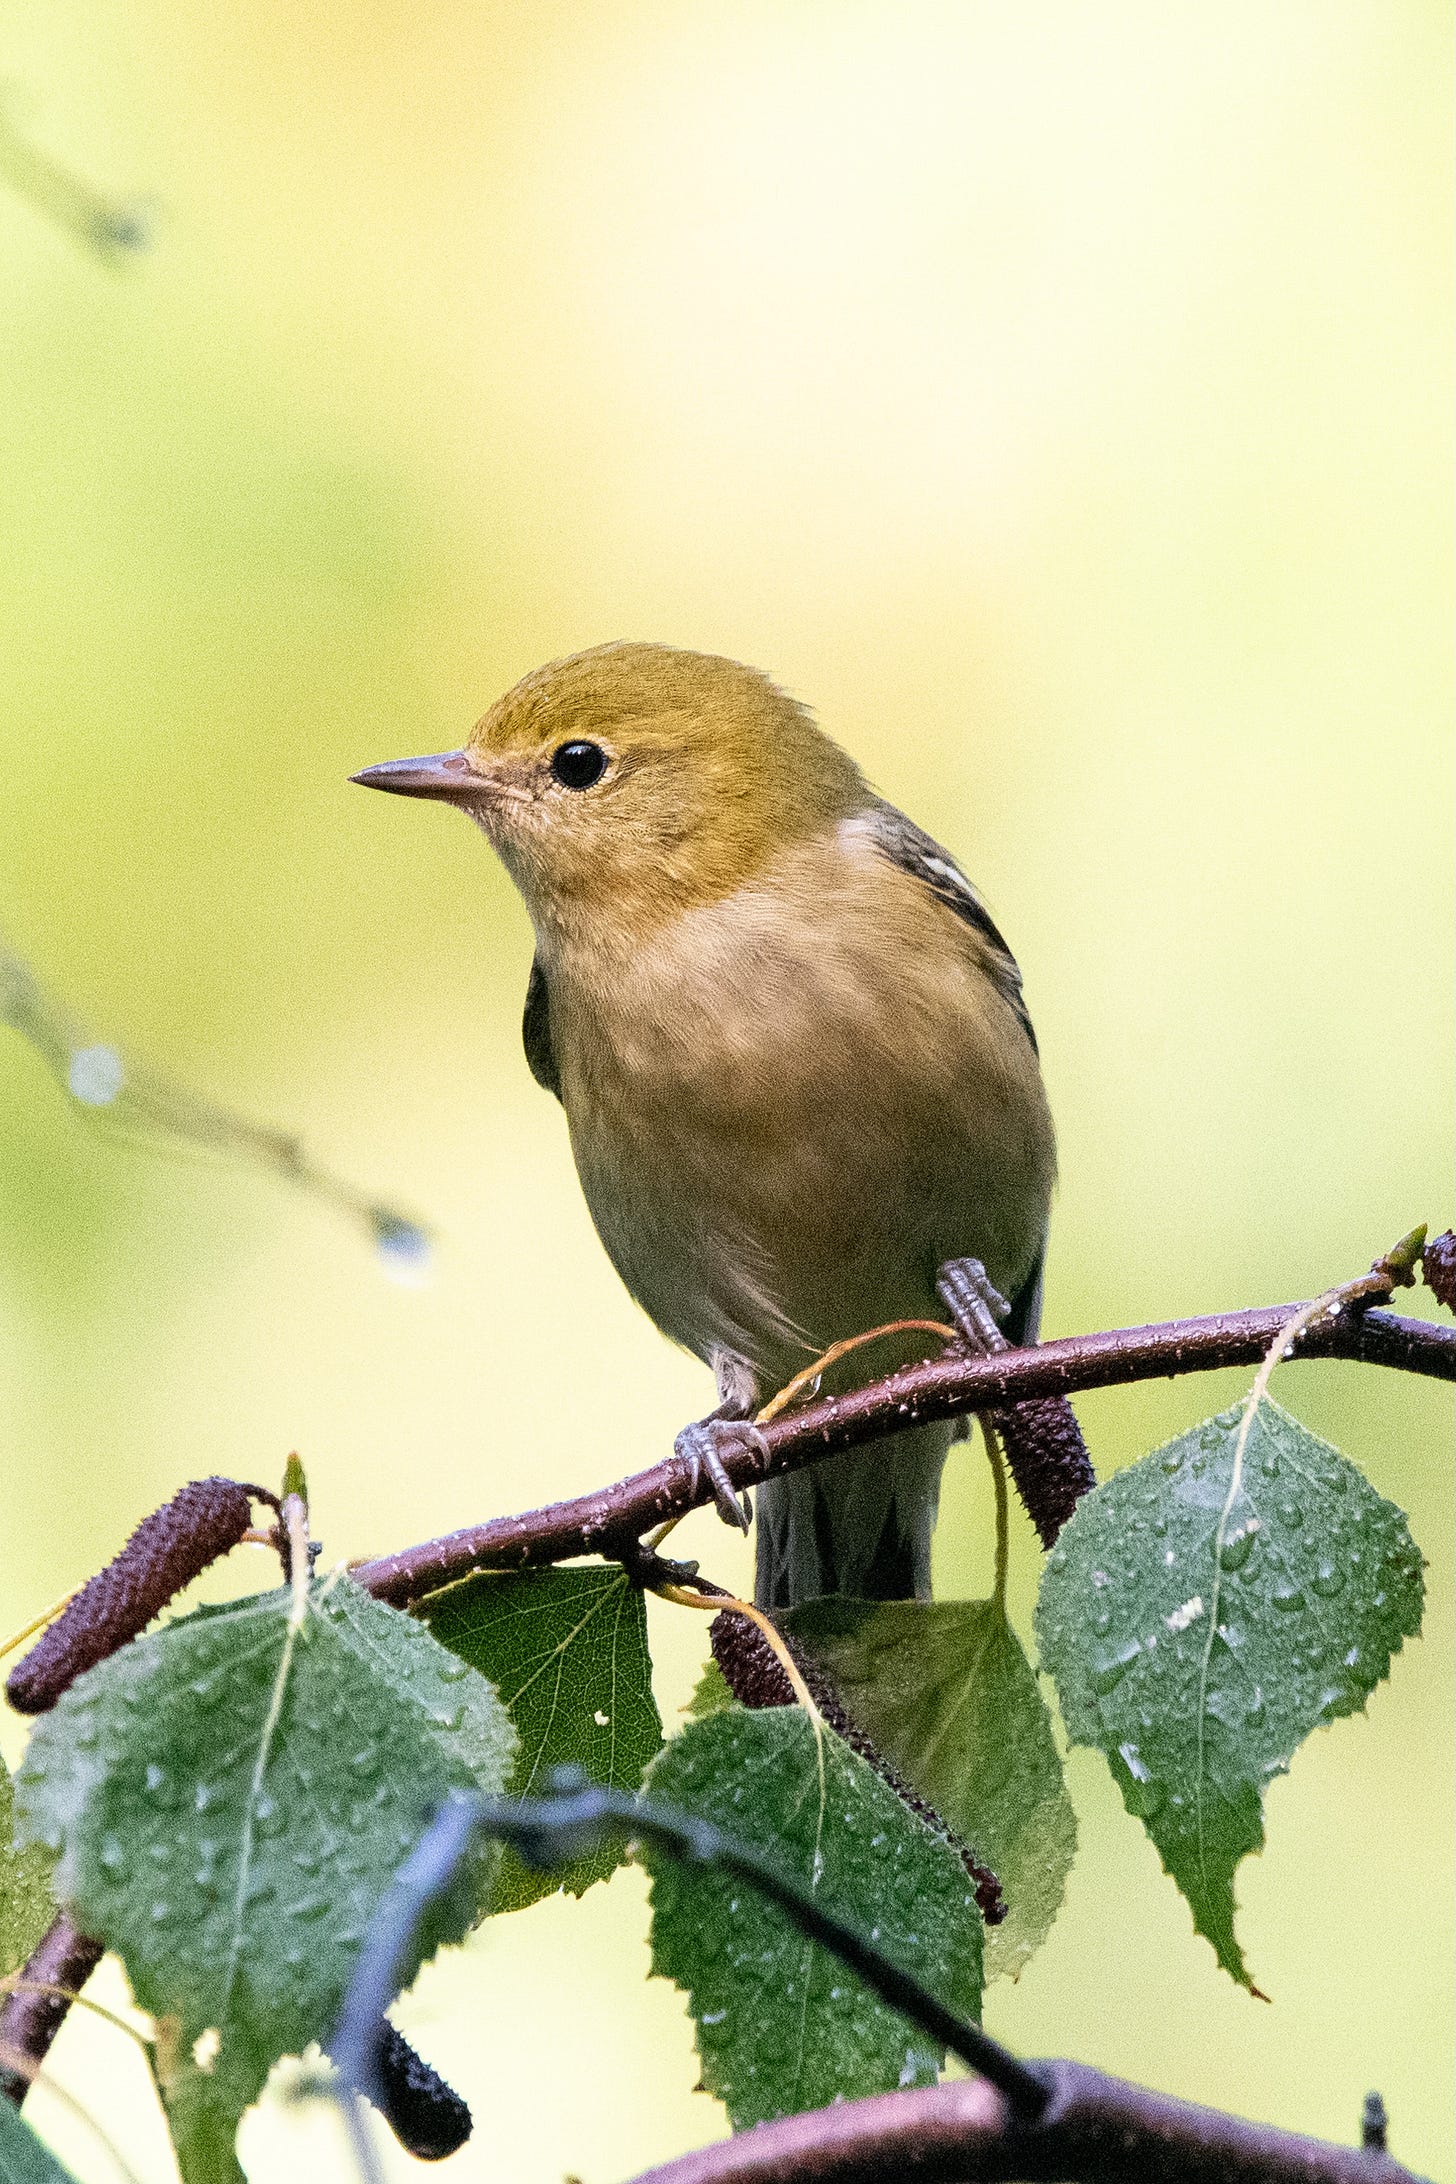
(702, 1448)
(974, 1303)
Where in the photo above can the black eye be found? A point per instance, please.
(579, 765)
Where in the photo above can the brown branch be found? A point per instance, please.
(945, 1387)
(614, 1518)
(1094, 2129)
(59, 1967)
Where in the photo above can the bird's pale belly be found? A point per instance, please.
(772, 1224)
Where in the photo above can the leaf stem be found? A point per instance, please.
(1003, 1514)
(716, 1602)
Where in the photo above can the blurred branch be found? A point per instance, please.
(1013, 2120)
(570, 1823)
(1095, 2129)
(952, 1386)
(110, 227)
(103, 1083)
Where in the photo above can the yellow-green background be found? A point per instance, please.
(1058, 397)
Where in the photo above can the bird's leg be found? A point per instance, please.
(975, 1305)
(1043, 1442)
(703, 1446)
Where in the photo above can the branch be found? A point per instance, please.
(614, 1518)
(35, 2010)
(570, 1822)
(945, 1387)
(1094, 2130)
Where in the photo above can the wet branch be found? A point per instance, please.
(946, 1387)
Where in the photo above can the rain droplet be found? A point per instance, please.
(95, 1076)
(1292, 1514)
(1328, 1579)
(403, 1249)
(266, 1816)
(1112, 1667)
(1238, 1546)
(113, 1854)
(1102, 1622)
(1287, 1598)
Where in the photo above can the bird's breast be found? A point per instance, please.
(787, 1107)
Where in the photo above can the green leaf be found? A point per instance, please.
(231, 1795)
(945, 1692)
(781, 2024)
(26, 1903)
(567, 1650)
(23, 2159)
(710, 1694)
(1203, 1612)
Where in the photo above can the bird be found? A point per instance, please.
(801, 1085)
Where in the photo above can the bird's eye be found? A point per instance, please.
(579, 765)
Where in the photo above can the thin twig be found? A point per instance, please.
(950, 1387)
(552, 1830)
(716, 1603)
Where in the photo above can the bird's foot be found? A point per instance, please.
(974, 1303)
(703, 1447)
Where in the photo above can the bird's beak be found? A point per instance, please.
(448, 775)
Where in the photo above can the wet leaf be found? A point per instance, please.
(945, 1692)
(23, 2159)
(1204, 1611)
(567, 1650)
(230, 1797)
(26, 1903)
(781, 2024)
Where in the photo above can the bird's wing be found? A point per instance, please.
(536, 1032)
(914, 852)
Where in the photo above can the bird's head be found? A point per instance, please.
(635, 781)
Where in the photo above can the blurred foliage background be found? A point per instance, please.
(1059, 399)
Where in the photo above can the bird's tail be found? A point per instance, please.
(857, 1524)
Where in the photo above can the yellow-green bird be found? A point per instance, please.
(791, 1044)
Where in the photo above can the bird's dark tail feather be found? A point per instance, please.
(857, 1524)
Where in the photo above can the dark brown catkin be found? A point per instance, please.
(1438, 1264)
(165, 1552)
(428, 2117)
(1047, 1458)
(756, 1677)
